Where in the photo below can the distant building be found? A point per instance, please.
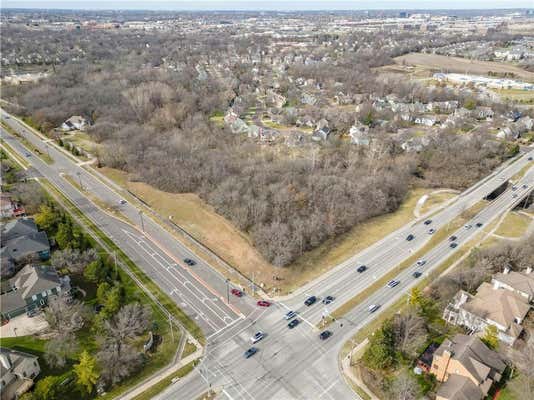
(17, 370)
(31, 288)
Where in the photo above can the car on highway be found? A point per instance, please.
(410, 237)
(428, 222)
(257, 337)
(431, 231)
(421, 263)
(529, 159)
(290, 314)
(373, 308)
(525, 186)
(237, 292)
(310, 300)
(453, 245)
(514, 187)
(417, 274)
(8, 117)
(293, 323)
(392, 283)
(467, 226)
(328, 299)
(452, 238)
(28, 155)
(325, 335)
(250, 352)
(263, 303)
(478, 224)
(362, 268)
(122, 201)
(190, 262)
(514, 195)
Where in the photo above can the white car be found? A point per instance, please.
(122, 201)
(431, 231)
(257, 337)
(373, 308)
(468, 226)
(392, 283)
(421, 263)
(290, 314)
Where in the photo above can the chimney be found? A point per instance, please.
(506, 270)
(529, 270)
(5, 360)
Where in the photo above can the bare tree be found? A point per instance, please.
(403, 387)
(73, 260)
(58, 349)
(410, 331)
(65, 318)
(129, 322)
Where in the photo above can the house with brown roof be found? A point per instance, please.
(471, 365)
(493, 304)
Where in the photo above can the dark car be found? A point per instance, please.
(328, 299)
(428, 222)
(410, 237)
(325, 335)
(237, 292)
(453, 245)
(524, 186)
(453, 238)
(310, 300)
(530, 158)
(362, 268)
(293, 323)
(478, 224)
(417, 274)
(190, 262)
(250, 352)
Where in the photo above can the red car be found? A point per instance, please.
(263, 303)
(237, 292)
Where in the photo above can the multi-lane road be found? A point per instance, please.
(291, 364)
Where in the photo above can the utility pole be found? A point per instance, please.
(115, 261)
(228, 290)
(253, 284)
(142, 222)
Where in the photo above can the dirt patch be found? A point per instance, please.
(462, 65)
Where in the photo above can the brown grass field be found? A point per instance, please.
(440, 63)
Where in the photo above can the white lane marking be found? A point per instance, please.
(327, 390)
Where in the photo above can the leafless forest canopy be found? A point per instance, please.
(150, 109)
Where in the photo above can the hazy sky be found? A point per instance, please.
(269, 5)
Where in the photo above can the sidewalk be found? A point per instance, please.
(348, 373)
(136, 391)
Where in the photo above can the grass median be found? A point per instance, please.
(437, 238)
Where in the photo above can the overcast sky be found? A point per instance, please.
(269, 5)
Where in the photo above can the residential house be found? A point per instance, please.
(465, 358)
(17, 371)
(10, 208)
(426, 120)
(442, 106)
(74, 123)
(521, 283)
(32, 246)
(359, 134)
(276, 99)
(239, 127)
(30, 289)
(484, 113)
(230, 116)
(494, 304)
(307, 98)
(253, 131)
(321, 134)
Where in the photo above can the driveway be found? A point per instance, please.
(23, 326)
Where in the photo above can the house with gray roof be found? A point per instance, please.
(17, 371)
(16, 228)
(30, 288)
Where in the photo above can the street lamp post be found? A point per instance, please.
(80, 179)
(142, 222)
(228, 291)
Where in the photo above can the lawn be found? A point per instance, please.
(525, 96)
(434, 200)
(514, 225)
